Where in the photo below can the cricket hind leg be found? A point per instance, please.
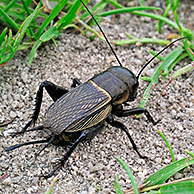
(50, 141)
(54, 92)
(84, 135)
(62, 161)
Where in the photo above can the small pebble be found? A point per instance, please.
(178, 175)
(24, 77)
(12, 115)
(7, 181)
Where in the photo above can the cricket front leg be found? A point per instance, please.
(110, 120)
(134, 111)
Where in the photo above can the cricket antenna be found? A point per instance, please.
(102, 33)
(157, 55)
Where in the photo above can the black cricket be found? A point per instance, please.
(79, 114)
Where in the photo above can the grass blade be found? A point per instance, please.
(159, 27)
(115, 3)
(141, 2)
(49, 34)
(188, 45)
(169, 59)
(33, 51)
(173, 187)
(177, 21)
(179, 58)
(25, 7)
(190, 153)
(175, 4)
(3, 49)
(141, 40)
(168, 145)
(9, 5)
(23, 28)
(69, 17)
(183, 187)
(2, 36)
(50, 189)
(133, 182)
(158, 57)
(96, 9)
(17, 16)
(117, 186)
(157, 17)
(126, 9)
(10, 22)
(162, 175)
(52, 15)
(183, 70)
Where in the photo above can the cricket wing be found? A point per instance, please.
(81, 108)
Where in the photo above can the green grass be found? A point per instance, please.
(156, 183)
(28, 27)
(168, 145)
(51, 187)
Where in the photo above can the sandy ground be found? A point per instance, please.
(92, 168)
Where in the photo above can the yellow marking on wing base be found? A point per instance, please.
(101, 89)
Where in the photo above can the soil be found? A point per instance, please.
(92, 168)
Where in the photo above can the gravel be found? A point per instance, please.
(92, 167)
